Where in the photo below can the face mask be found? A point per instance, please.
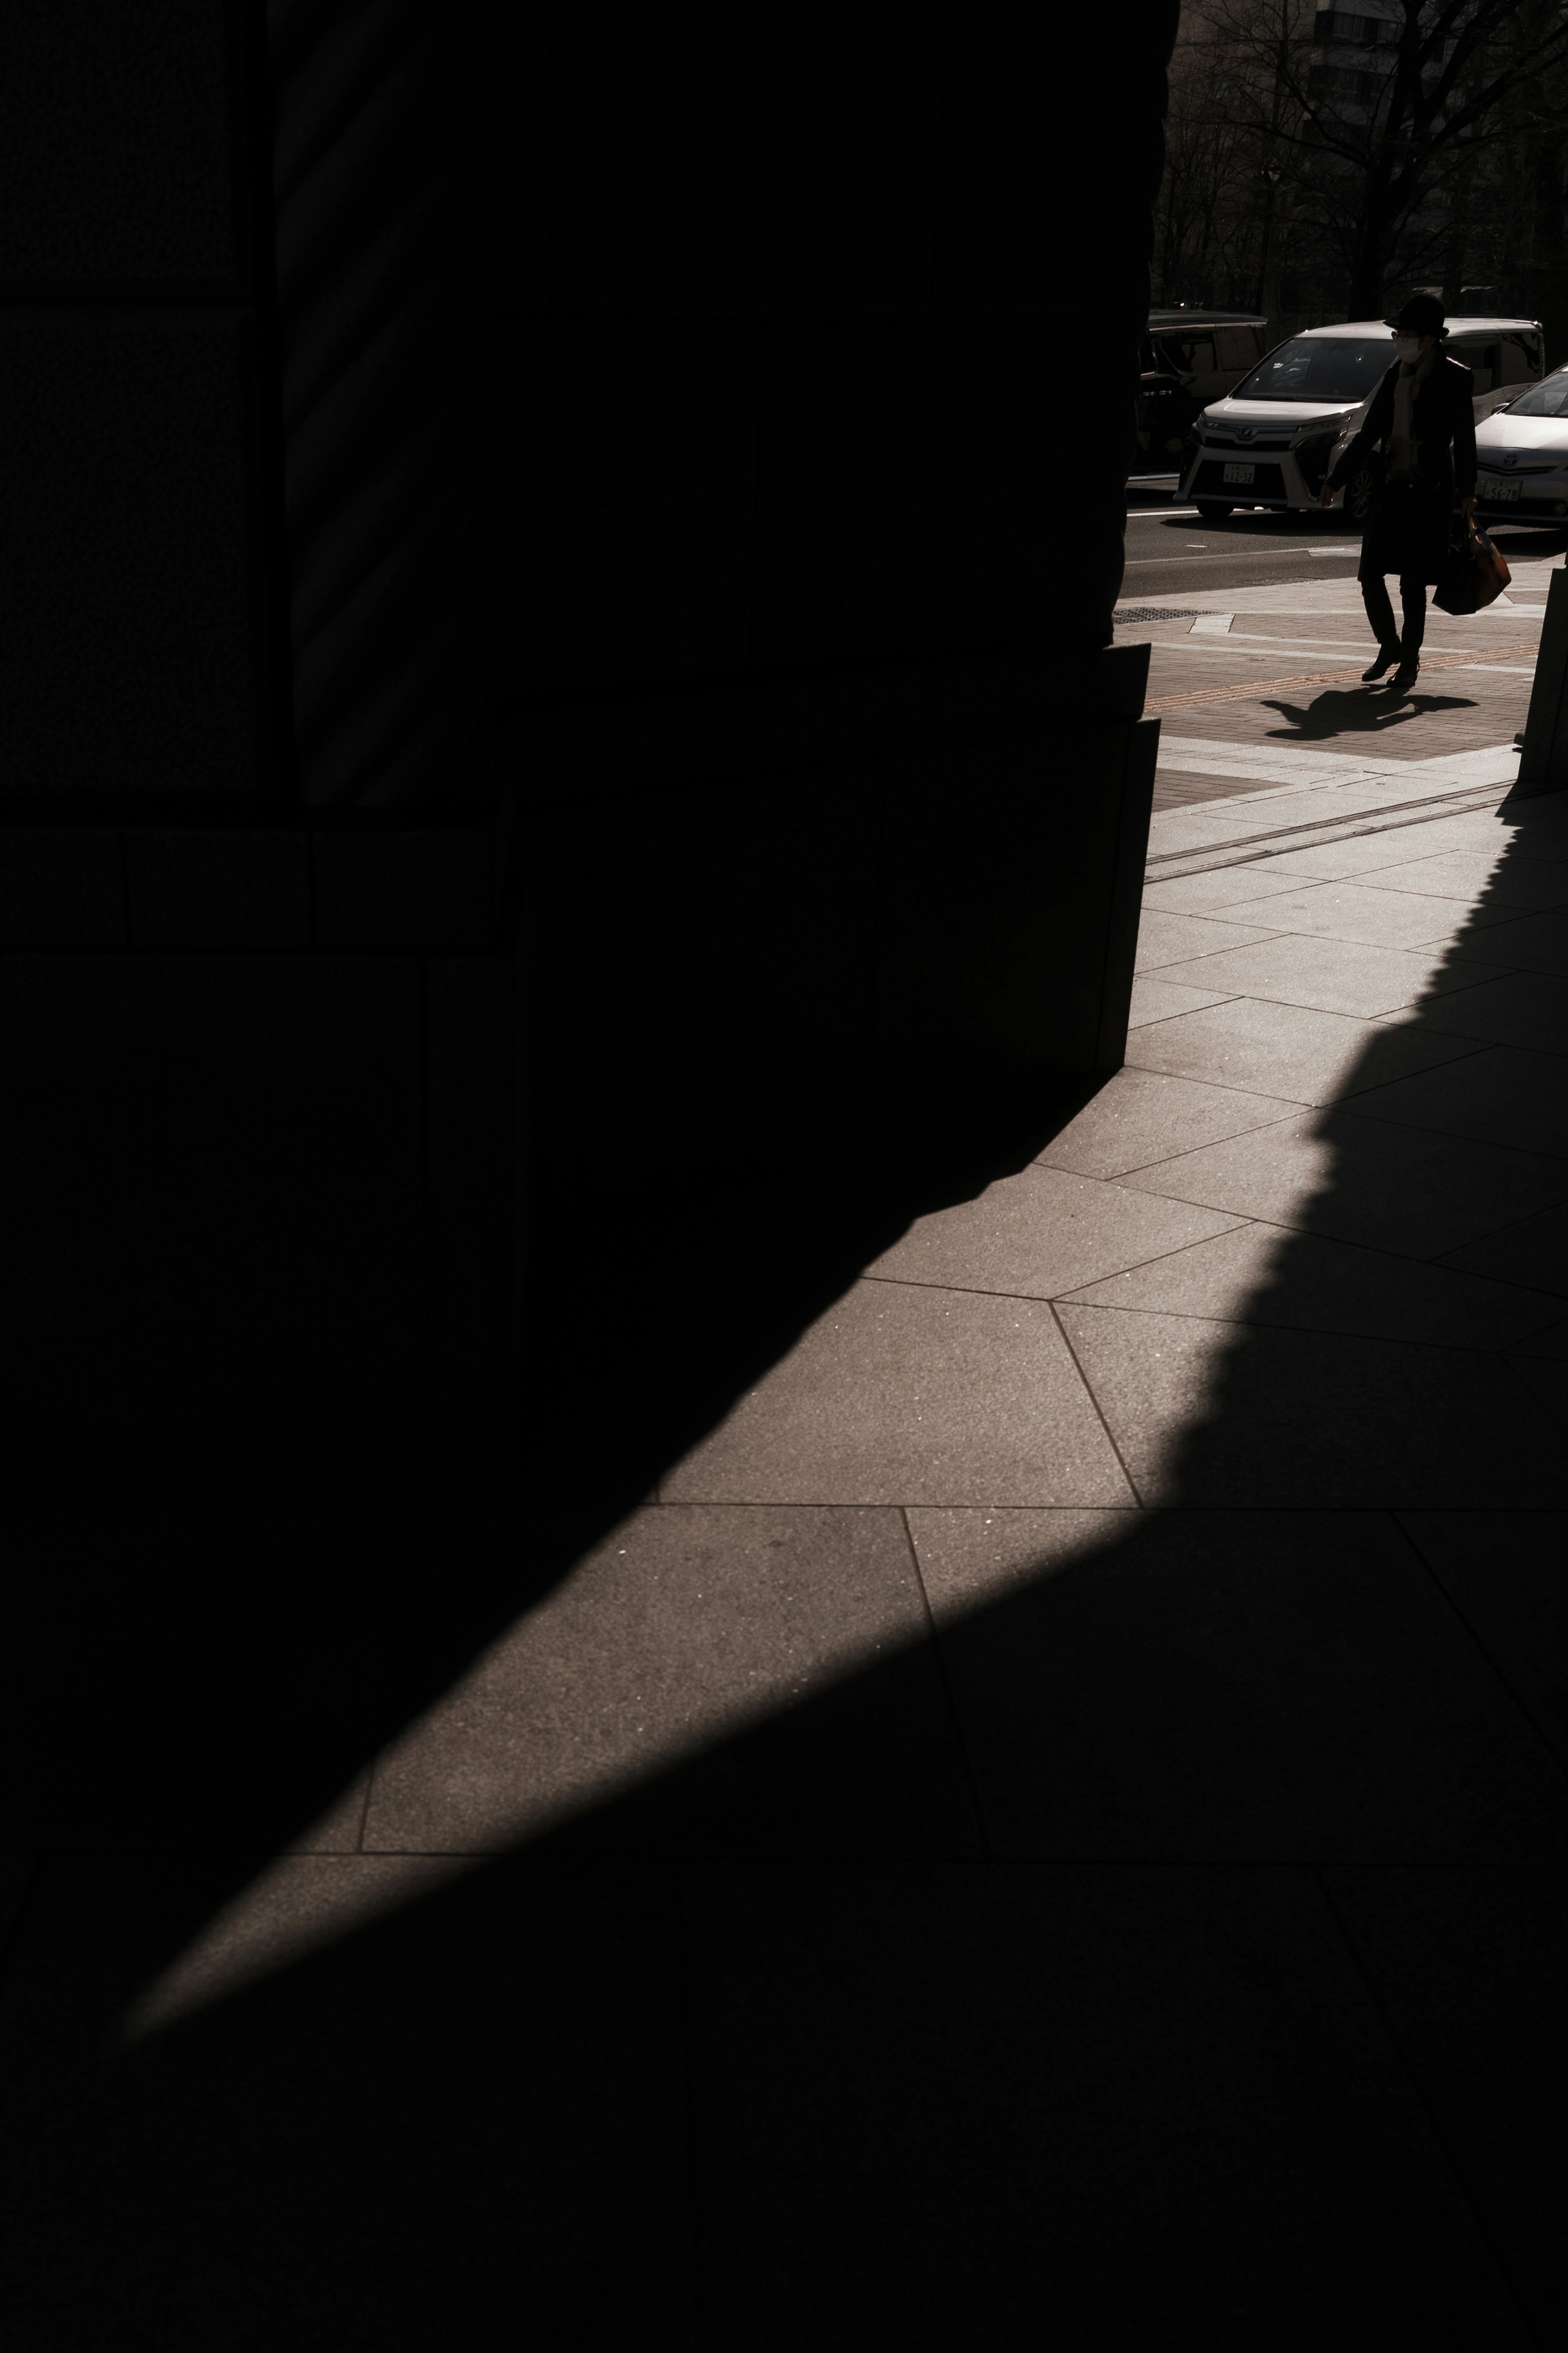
(1408, 347)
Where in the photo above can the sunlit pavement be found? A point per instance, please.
(1059, 1798)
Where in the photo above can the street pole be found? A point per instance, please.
(1544, 760)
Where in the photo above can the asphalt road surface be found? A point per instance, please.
(1170, 548)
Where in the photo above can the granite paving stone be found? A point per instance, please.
(685, 1627)
(1221, 886)
(1539, 942)
(1476, 830)
(1267, 1274)
(470, 2076)
(1502, 1093)
(1466, 1965)
(1247, 1415)
(1289, 1051)
(1179, 833)
(1525, 1249)
(1289, 1680)
(1504, 1573)
(1030, 1235)
(1547, 1346)
(1361, 911)
(903, 1393)
(1478, 875)
(1013, 2021)
(1170, 939)
(1518, 1009)
(1334, 976)
(1370, 1181)
(1141, 1116)
(1157, 999)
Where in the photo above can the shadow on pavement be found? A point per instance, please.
(1356, 711)
(1177, 1924)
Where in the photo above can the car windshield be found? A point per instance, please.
(1548, 399)
(1327, 368)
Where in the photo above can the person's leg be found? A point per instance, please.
(1379, 607)
(1413, 597)
(1379, 613)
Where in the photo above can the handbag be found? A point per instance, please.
(1472, 572)
(1492, 575)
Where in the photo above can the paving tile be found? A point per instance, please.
(1518, 1009)
(1157, 1000)
(1369, 1181)
(902, 1394)
(1334, 975)
(1507, 1575)
(1175, 832)
(966, 2099)
(1141, 1116)
(1538, 942)
(1467, 1969)
(1220, 1684)
(1360, 912)
(1550, 1345)
(1503, 1094)
(297, 1907)
(494, 2073)
(337, 1830)
(1170, 939)
(1248, 1415)
(1545, 1380)
(1221, 886)
(1267, 1274)
(1289, 1051)
(1211, 824)
(1483, 879)
(1184, 787)
(1529, 1249)
(1027, 1235)
(1476, 831)
(687, 1625)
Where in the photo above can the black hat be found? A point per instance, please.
(1422, 315)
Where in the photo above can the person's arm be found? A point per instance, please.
(1378, 417)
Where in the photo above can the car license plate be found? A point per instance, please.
(1497, 494)
(1239, 473)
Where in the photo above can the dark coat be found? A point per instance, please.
(1407, 530)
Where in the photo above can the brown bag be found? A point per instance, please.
(1492, 575)
(1472, 572)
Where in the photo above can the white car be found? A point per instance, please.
(1521, 454)
(1271, 441)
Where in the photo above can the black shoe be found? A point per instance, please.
(1385, 654)
(1403, 677)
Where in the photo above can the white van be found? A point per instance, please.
(1270, 442)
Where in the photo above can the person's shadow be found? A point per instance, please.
(1357, 710)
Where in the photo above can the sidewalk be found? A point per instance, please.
(1055, 1810)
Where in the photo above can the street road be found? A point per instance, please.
(1171, 549)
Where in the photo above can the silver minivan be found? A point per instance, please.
(1270, 442)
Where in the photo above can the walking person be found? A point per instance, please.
(1421, 417)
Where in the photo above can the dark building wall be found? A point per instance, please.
(135, 589)
(549, 526)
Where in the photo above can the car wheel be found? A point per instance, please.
(1213, 510)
